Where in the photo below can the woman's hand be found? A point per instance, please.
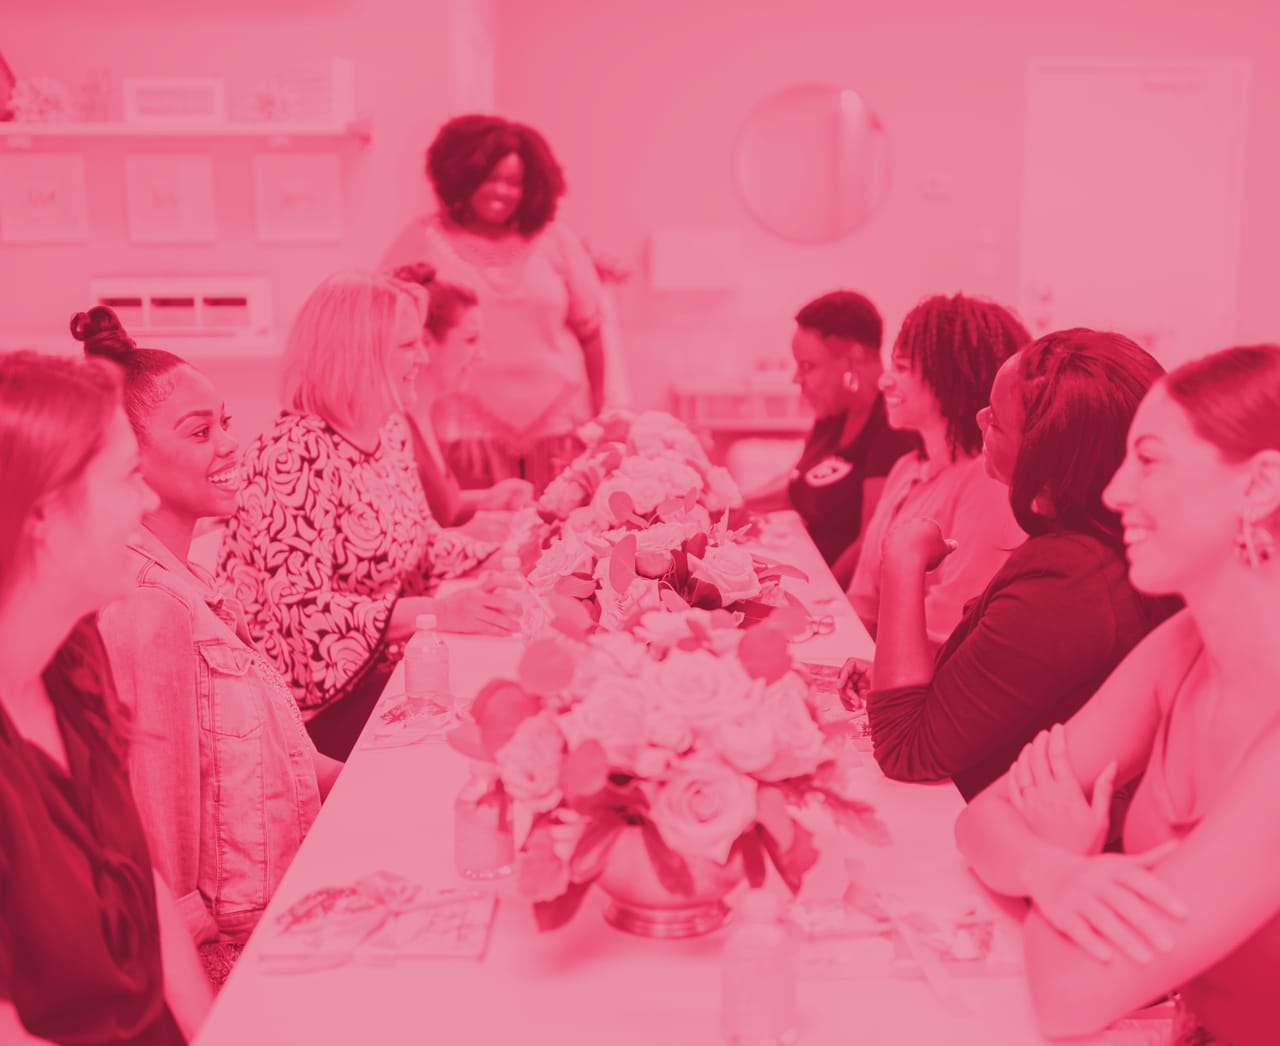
(485, 609)
(1043, 788)
(506, 495)
(1110, 901)
(854, 683)
(917, 540)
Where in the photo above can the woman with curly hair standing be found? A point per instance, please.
(499, 185)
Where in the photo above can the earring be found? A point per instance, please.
(1256, 544)
(850, 381)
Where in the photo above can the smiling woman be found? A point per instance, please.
(213, 729)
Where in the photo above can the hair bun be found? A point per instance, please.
(421, 272)
(103, 334)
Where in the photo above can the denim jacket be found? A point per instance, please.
(221, 766)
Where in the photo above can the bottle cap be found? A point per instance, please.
(426, 622)
(760, 906)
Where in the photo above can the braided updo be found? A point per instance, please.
(146, 371)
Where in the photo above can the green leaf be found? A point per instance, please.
(551, 915)
(797, 859)
(673, 870)
(621, 505)
(546, 667)
(774, 815)
(575, 586)
(585, 771)
(859, 819)
(749, 845)
(593, 848)
(467, 739)
(671, 600)
(569, 616)
(622, 564)
(499, 710)
(764, 654)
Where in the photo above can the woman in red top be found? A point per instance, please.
(93, 949)
(1194, 902)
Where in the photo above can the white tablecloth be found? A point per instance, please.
(392, 809)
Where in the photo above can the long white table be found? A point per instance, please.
(392, 809)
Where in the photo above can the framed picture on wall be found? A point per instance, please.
(170, 198)
(187, 101)
(43, 198)
(297, 197)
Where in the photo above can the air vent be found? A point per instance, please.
(215, 307)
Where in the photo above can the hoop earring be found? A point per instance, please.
(1256, 544)
(850, 381)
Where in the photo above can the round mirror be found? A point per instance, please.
(812, 163)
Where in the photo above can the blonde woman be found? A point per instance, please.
(333, 549)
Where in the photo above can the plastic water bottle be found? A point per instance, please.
(758, 987)
(483, 844)
(534, 614)
(426, 664)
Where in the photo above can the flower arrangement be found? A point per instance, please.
(693, 731)
(641, 520)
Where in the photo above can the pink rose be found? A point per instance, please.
(703, 807)
(731, 569)
(655, 432)
(530, 763)
(654, 546)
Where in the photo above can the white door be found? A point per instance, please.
(1132, 200)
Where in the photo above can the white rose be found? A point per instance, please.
(529, 763)
(722, 490)
(746, 741)
(611, 712)
(654, 546)
(731, 569)
(567, 554)
(801, 744)
(703, 688)
(703, 807)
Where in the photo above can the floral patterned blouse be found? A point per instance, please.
(325, 539)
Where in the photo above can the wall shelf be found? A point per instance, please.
(22, 135)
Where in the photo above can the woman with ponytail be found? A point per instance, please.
(224, 774)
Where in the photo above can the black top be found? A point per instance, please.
(1029, 652)
(826, 486)
(79, 933)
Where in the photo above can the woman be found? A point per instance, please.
(92, 947)
(333, 548)
(453, 332)
(225, 778)
(1061, 613)
(499, 184)
(836, 484)
(944, 360)
(1194, 902)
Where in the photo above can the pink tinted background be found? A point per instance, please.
(642, 103)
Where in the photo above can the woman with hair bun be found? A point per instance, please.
(93, 949)
(452, 332)
(498, 185)
(225, 777)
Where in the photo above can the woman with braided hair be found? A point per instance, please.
(1061, 613)
(944, 360)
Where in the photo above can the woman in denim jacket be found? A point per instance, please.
(225, 776)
